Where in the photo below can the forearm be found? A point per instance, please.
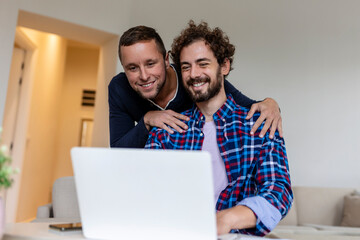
(273, 176)
(264, 211)
(239, 217)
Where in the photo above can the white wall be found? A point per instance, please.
(81, 67)
(305, 54)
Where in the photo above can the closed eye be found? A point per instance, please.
(185, 68)
(203, 64)
(132, 68)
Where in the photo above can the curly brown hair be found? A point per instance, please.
(217, 40)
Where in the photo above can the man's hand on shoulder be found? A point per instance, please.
(164, 119)
(270, 113)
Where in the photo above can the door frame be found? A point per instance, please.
(20, 141)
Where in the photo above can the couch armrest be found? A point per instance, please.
(45, 211)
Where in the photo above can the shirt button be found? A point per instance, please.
(223, 119)
(201, 134)
(197, 122)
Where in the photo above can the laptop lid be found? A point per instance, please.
(142, 194)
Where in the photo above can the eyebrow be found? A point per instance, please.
(147, 61)
(197, 61)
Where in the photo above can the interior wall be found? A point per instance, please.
(40, 155)
(306, 55)
(81, 69)
(8, 16)
(107, 63)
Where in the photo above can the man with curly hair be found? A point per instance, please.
(150, 94)
(252, 188)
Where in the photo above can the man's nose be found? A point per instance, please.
(195, 72)
(143, 74)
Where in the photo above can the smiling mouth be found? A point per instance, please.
(198, 84)
(147, 85)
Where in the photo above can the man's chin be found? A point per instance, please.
(199, 98)
(148, 96)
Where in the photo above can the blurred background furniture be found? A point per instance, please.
(64, 206)
(322, 211)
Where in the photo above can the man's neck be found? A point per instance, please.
(168, 90)
(211, 106)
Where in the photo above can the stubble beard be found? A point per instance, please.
(157, 90)
(211, 92)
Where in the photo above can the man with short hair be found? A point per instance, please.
(252, 188)
(150, 83)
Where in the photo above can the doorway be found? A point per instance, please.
(52, 77)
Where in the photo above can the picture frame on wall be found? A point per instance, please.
(86, 132)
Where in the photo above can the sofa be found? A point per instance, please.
(64, 206)
(322, 211)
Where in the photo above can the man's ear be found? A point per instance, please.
(225, 67)
(167, 62)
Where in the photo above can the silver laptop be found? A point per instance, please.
(144, 194)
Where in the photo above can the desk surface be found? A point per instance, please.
(41, 231)
(37, 231)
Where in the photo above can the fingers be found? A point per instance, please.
(273, 128)
(180, 116)
(257, 124)
(167, 120)
(174, 120)
(176, 124)
(166, 128)
(279, 127)
(253, 109)
(265, 128)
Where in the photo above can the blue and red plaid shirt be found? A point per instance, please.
(254, 166)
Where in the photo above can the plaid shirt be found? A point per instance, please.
(254, 166)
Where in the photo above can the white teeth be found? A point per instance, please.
(147, 85)
(199, 84)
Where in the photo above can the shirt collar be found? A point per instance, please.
(225, 110)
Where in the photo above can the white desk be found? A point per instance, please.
(38, 231)
(41, 231)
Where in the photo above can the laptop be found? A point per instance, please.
(144, 194)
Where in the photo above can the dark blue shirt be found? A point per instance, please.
(126, 108)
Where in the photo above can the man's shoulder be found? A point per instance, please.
(119, 86)
(119, 81)
(159, 132)
(189, 112)
(241, 113)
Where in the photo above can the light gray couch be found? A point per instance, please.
(317, 210)
(64, 206)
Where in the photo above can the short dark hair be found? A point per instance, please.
(141, 33)
(217, 40)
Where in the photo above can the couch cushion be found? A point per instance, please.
(338, 230)
(293, 229)
(351, 215)
(320, 205)
(65, 203)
